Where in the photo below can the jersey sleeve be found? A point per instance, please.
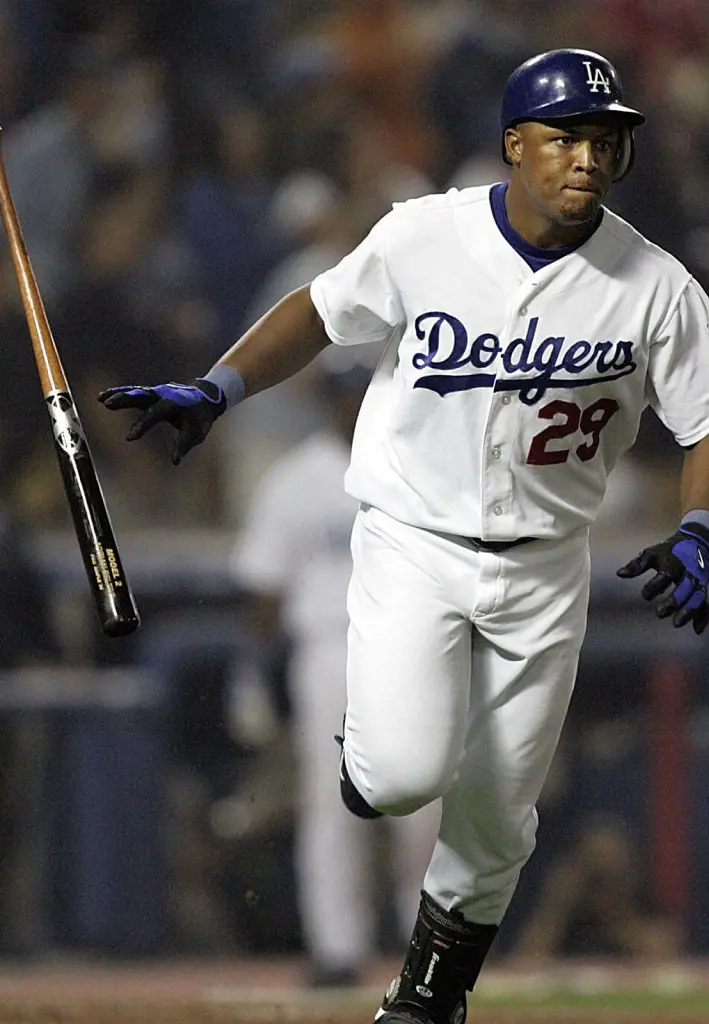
(356, 299)
(265, 554)
(678, 371)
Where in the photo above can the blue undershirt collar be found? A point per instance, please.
(534, 256)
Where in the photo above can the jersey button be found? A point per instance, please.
(497, 510)
(506, 399)
(523, 310)
(496, 453)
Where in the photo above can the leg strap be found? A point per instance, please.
(445, 957)
(351, 796)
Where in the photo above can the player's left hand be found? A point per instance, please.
(680, 562)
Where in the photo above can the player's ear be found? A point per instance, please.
(513, 145)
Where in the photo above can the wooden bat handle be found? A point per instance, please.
(97, 543)
(51, 373)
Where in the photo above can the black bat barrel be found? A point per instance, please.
(108, 582)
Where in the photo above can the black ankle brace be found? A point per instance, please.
(445, 957)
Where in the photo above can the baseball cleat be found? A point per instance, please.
(393, 1011)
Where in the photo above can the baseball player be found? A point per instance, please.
(527, 327)
(293, 557)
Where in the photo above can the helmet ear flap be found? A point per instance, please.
(626, 153)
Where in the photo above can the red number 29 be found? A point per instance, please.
(589, 421)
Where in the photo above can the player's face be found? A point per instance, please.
(563, 172)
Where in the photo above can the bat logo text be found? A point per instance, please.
(68, 432)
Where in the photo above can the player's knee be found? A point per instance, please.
(403, 789)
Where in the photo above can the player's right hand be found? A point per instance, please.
(680, 562)
(190, 408)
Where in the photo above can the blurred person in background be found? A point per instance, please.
(56, 143)
(593, 902)
(293, 557)
(137, 287)
(108, 107)
(223, 199)
(321, 225)
(334, 109)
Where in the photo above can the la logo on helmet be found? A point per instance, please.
(596, 79)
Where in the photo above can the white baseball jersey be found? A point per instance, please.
(504, 397)
(297, 537)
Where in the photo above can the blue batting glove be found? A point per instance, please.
(680, 562)
(190, 408)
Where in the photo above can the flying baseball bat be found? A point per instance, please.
(97, 543)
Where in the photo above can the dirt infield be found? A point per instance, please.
(266, 992)
(102, 1013)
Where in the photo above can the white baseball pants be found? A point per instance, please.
(461, 665)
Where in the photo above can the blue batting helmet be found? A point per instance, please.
(562, 84)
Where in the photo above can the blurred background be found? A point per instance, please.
(177, 167)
